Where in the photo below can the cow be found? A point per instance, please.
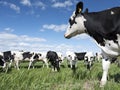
(54, 60)
(103, 27)
(40, 56)
(18, 57)
(71, 60)
(6, 59)
(89, 59)
(32, 57)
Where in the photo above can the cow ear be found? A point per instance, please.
(79, 7)
(86, 10)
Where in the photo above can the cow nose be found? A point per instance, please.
(65, 35)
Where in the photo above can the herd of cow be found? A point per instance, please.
(102, 26)
(54, 58)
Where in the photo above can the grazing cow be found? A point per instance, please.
(89, 59)
(54, 60)
(103, 27)
(71, 60)
(27, 56)
(6, 59)
(80, 56)
(41, 56)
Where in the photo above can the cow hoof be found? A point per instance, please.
(102, 83)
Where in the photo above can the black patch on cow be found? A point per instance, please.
(26, 55)
(7, 56)
(72, 21)
(80, 56)
(1, 61)
(36, 56)
(103, 25)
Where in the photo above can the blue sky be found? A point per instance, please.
(39, 25)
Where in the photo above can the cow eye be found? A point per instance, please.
(70, 21)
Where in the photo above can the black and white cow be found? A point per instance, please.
(71, 60)
(6, 59)
(32, 57)
(39, 56)
(103, 27)
(89, 59)
(54, 60)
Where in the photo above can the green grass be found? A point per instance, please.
(44, 79)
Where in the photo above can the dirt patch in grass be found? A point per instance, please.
(89, 85)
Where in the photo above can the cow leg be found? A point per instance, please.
(71, 62)
(57, 65)
(10, 64)
(105, 66)
(31, 64)
(45, 61)
(17, 65)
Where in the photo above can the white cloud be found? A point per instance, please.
(54, 27)
(26, 2)
(8, 29)
(82, 36)
(14, 7)
(11, 5)
(37, 4)
(10, 41)
(64, 4)
(40, 4)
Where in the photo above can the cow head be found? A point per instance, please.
(76, 22)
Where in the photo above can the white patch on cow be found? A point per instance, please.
(111, 48)
(105, 66)
(77, 28)
(112, 13)
(71, 58)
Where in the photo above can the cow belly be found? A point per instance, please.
(111, 48)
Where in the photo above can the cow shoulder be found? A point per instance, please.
(103, 25)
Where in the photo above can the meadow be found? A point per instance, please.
(42, 78)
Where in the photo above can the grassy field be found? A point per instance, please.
(44, 79)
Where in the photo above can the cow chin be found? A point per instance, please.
(68, 36)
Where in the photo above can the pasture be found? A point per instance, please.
(41, 78)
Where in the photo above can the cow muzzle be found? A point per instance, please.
(67, 36)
